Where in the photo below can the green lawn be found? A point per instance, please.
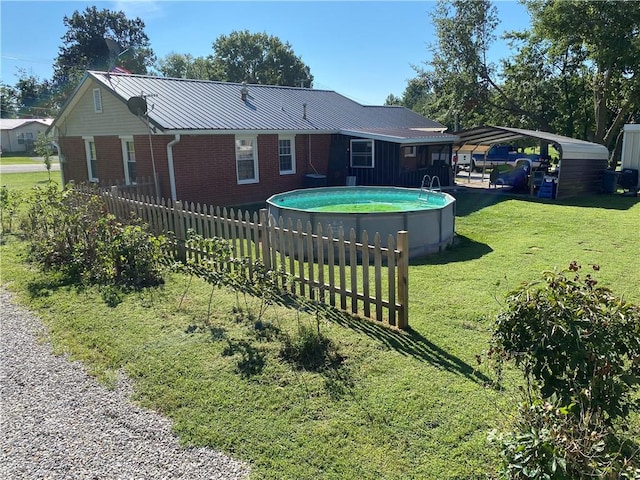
(394, 405)
(18, 160)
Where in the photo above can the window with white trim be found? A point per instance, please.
(247, 159)
(362, 153)
(287, 154)
(97, 100)
(92, 159)
(129, 158)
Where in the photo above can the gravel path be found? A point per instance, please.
(59, 423)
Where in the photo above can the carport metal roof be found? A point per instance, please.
(569, 148)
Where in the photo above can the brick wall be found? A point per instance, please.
(205, 165)
(74, 166)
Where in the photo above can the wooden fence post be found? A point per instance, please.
(264, 238)
(178, 225)
(403, 279)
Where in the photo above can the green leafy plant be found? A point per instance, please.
(574, 340)
(44, 149)
(578, 346)
(9, 203)
(73, 233)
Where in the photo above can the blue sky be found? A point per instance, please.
(363, 49)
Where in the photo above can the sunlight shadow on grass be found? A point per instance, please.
(463, 250)
(409, 343)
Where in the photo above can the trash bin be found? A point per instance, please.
(609, 181)
(315, 180)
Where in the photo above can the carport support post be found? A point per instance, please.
(403, 279)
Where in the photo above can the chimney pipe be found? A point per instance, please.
(244, 92)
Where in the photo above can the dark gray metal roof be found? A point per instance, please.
(182, 104)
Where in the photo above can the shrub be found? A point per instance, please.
(9, 203)
(73, 233)
(574, 340)
(578, 346)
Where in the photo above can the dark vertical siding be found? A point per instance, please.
(578, 177)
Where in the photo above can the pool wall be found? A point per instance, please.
(430, 230)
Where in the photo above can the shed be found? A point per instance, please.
(582, 164)
(631, 147)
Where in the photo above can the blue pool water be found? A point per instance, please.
(360, 200)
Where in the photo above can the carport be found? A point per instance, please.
(582, 164)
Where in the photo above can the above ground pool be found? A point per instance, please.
(428, 216)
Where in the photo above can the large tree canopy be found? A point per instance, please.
(178, 65)
(85, 46)
(452, 87)
(258, 58)
(575, 72)
(604, 38)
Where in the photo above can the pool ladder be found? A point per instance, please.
(431, 182)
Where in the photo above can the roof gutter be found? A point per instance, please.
(172, 173)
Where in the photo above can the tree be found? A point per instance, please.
(34, 97)
(8, 101)
(604, 37)
(258, 58)
(178, 65)
(85, 46)
(43, 149)
(455, 81)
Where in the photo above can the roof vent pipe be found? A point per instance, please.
(304, 111)
(244, 92)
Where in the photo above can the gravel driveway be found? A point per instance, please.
(59, 423)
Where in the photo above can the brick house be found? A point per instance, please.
(232, 144)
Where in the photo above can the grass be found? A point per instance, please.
(18, 160)
(26, 181)
(386, 405)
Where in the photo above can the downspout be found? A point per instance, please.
(172, 174)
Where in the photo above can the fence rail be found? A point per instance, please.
(363, 277)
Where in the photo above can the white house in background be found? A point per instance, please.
(17, 134)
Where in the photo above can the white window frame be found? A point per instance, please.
(410, 151)
(126, 159)
(254, 145)
(292, 146)
(97, 100)
(373, 156)
(89, 152)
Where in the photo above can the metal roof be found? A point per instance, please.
(402, 135)
(183, 105)
(570, 148)
(13, 123)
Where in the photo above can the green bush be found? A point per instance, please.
(9, 203)
(578, 346)
(574, 340)
(73, 233)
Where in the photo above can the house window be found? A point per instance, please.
(410, 151)
(25, 138)
(97, 100)
(287, 155)
(362, 154)
(246, 159)
(92, 159)
(129, 158)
